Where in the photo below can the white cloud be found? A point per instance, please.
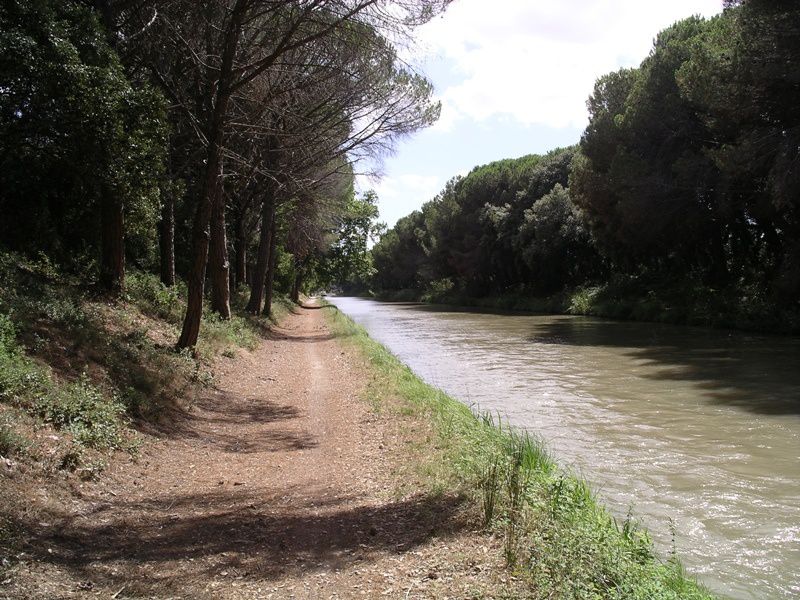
(536, 62)
(502, 65)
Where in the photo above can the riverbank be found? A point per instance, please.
(629, 300)
(257, 468)
(556, 536)
(275, 480)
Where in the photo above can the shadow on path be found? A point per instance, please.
(215, 416)
(246, 534)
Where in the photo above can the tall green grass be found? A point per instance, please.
(557, 536)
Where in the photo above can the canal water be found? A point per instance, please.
(687, 425)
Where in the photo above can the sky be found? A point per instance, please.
(513, 77)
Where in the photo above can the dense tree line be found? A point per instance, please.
(688, 173)
(185, 136)
(507, 223)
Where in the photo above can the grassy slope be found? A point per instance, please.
(557, 536)
(82, 378)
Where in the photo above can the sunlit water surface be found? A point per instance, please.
(697, 426)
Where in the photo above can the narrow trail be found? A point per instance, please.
(282, 482)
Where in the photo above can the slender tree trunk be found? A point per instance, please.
(296, 284)
(210, 196)
(273, 259)
(262, 259)
(240, 248)
(200, 239)
(219, 266)
(166, 240)
(112, 244)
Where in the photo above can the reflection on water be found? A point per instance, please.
(689, 424)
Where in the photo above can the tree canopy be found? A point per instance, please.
(175, 135)
(686, 177)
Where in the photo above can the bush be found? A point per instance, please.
(8, 334)
(154, 298)
(11, 442)
(221, 333)
(19, 378)
(78, 407)
(582, 301)
(93, 420)
(438, 289)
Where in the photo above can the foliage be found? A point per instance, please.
(400, 258)
(99, 172)
(89, 369)
(74, 132)
(155, 298)
(507, 224)
(675, 163)
(684, 186)
(11, 442)
(346, 263)
(93, 419)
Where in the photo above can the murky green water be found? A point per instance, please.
(694, 425)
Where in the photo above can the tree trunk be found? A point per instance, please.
(112, 245)
(200, 235)
(219, 266)
(240, 248)
(262, 259)
(211, 191)
(298, 281)
(166, 240)
(273, 259)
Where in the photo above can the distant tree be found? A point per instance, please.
(556, 243)
(743, 81)
(399, 258)
(347, 262)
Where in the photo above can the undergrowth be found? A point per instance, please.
(557, 536)
(94, 369)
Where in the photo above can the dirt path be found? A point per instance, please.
(281, 483)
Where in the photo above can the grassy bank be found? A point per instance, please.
(85, 381)
(557, 537)
(81, 376)
(678, 303)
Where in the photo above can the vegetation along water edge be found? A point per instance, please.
(677, 204)
(556, 535)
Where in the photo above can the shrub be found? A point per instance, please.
(582, 300)
(80, 408)
(438, 289)
(11, 442)
(152, 297)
